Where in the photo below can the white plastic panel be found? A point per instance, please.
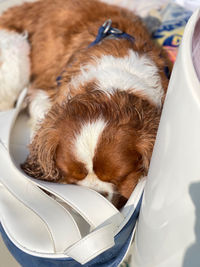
(167, 233)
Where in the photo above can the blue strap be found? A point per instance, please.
(106, 30)
(99, 37)
(58, 80)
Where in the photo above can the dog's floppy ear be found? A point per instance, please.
(41, 160)
(42, 153)
(145, 148)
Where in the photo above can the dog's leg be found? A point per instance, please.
(14, 67)
(39, 105)
(15, 50)
(14, 53)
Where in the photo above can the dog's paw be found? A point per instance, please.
(14, 67)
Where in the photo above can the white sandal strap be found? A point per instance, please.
(81, 199)
(19, 221)
(32, 197)
(93, 244)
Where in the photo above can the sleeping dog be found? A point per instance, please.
(96, 88)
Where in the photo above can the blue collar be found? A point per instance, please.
(106, 30)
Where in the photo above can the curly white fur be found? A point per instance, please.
(14, 67)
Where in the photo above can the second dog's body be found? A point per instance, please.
(98, 120)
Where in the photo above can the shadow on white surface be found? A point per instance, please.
(7, 259)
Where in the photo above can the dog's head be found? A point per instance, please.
(97, 140)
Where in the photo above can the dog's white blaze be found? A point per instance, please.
(86, 142)
(39, 106)
(136, 72)
(93, 182)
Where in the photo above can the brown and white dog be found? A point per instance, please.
(96, 127)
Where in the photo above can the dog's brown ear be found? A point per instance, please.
(41, 160)
(145, 148)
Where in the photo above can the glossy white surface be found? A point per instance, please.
(168, 230)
